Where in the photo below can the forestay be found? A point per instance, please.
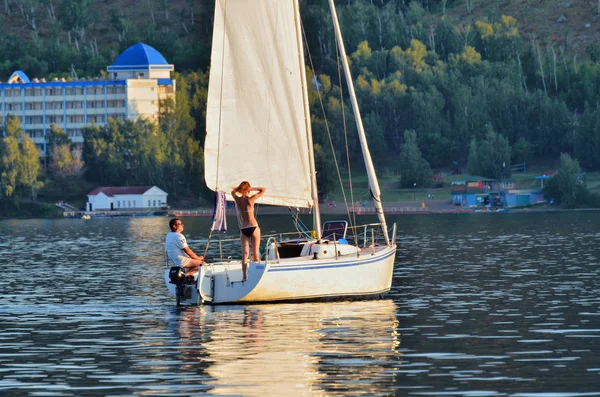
(256, 125)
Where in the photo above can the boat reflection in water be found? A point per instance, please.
(323, 349)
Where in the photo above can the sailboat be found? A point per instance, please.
(258, 129)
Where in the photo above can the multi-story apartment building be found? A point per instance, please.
(139, 79)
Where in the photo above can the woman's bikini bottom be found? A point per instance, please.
(248, 231)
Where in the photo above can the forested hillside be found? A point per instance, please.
(46, 38)
(480, 83)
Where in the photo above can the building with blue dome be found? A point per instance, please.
(139, 79)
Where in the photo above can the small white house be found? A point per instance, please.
(125, 197)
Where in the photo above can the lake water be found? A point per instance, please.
(481, 305)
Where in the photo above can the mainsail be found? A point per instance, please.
(256, 122)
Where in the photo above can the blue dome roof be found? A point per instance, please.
(19, 76)
(140, 54)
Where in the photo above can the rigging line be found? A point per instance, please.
(301, 228)
(353, 220)
(329, 131)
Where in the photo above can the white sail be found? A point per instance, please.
(256, 122)
(258, 130)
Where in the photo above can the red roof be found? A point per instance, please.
(110, 191)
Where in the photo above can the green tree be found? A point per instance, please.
(177, 125)
(56, 136)
(29, 167)
(567, 184)
(414, 169)
(65, 164)
(10, 160)
(587, 138)
(490, 157)
(521, 151)
(12, 128)
(74, 16)
(326, 177)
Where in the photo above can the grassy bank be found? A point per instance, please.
(391, 191)
(15, 208)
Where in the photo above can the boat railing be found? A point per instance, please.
(271, 245)
(364, 236)
(368, 235)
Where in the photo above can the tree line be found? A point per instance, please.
(163, 152)
(431, 94)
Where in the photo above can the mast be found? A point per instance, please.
(373, 183)
(311, 154)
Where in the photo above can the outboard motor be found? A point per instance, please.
(177, 276)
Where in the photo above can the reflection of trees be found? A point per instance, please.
(292, 349)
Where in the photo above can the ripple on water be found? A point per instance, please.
(480, 306)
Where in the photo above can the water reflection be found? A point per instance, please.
(503, 304)
(324, 349)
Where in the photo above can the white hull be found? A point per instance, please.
(362, 274)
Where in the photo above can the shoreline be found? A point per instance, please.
(390, 208)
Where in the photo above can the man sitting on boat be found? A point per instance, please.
(177, 249)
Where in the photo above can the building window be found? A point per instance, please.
(149, 203)
(154, 203)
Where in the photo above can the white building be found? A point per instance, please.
(140, 78)
(127, 197)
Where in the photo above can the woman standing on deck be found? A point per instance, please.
(249, 230)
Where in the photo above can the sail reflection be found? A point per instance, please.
(321, 349)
